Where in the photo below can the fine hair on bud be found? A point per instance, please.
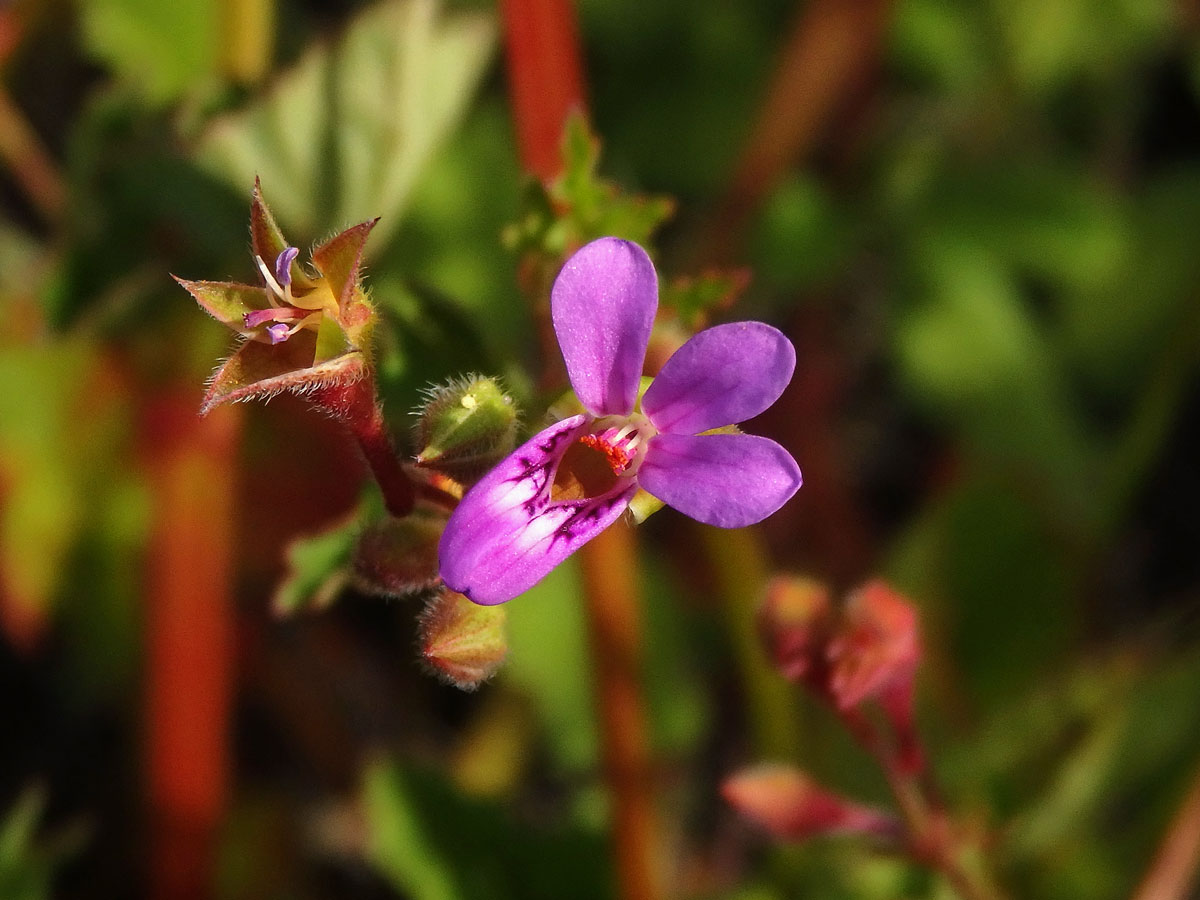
(465, 426)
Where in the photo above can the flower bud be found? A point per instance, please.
(466, 427)
(398, 556)
(463, 642)
(795, 622)
(876, 646)
(789, 805)
(874, 655)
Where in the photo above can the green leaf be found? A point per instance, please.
(550, 662)
(318, 564)
(434, 843)
(400, 844)
(162, 49)
(27, 862)
(344, 136)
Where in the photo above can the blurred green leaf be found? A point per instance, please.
(344, 135)
(400, 844)
(975, 353)
(318, 565)
(28, 862)
(1051, 43)
(942, 42)
(52, 459)
(161, 49)
(549, 661)
(803, 236)
(433, 843)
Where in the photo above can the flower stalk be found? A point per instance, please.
(612, 605)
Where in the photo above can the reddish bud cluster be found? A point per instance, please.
(866, 650)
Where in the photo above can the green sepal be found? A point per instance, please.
(331, 341)
(227, 302)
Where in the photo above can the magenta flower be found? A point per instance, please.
(574, 479)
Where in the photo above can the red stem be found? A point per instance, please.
(189, 633)
(545, 78)
(612, 603)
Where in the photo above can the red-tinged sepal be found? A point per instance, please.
(260, 371)
(339, 260)
(463, 642)
(791, 806)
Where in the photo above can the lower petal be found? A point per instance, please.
(506, 535)
(728, 480)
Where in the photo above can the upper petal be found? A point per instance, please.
(722, 376)
(603, 304)
(506, 535)
(729, 480)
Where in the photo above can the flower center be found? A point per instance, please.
(597, 461)
(289, 312)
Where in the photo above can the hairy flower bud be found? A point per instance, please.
(465, 427)
(398, 556)
(461, 641)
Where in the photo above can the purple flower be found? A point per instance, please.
(574, 479)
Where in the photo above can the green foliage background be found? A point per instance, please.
(989, 266)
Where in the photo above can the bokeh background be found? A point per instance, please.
(977, 222)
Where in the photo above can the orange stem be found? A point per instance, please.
(1173, 872)
(612, 602)
(830, 53)
(189, 632)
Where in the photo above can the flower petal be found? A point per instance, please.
(729, 480)
(722, 376)
(603, 304)
(505, 535)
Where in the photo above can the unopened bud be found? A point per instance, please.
(463, 642)
(876, 645)
(795, 622)
(790, 806)
(396, 557)
(466, 427)
(874, 655)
